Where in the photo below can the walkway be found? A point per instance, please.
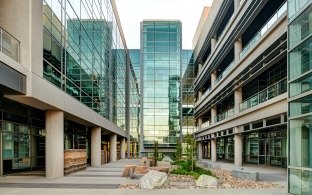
(107, 176)
(266, 173)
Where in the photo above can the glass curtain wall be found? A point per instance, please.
(161, 63)
(187, 104)
(84, 54)
(300, 111)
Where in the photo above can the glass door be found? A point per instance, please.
(264, 151)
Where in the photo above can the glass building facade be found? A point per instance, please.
(134, 101)
(300, 112)
(188, 126)
(160, 83)
(84, 54)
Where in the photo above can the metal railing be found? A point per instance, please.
(272, 91)
(225, 72)
(205, 124)
(264, 29)
(9, 45)
(226, 114)
(205, 93)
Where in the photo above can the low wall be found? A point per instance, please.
(74, 160)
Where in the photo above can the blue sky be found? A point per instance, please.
(132, 12)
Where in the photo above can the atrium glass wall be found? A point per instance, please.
(84, 54)
(134, 101)
(22, 142)
(300, 112)
(188, 100)
(161, 68)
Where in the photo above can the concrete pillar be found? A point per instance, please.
(264, 122)
(213, 150)
(237, 50)
(238, 97)
(282, 118)
(135, 150)
(213, 43)
(200, 67)
(213, 78)
(213, 114)
(54, 125)
(236, 5)
(113, 147)
(200, 122)
(200, 150)
(96, 146)
(123, 148)
(238, 148)
(200, 94)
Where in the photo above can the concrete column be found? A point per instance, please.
(213, 78)
(200, 122)
(213, 43)
(96, 146)
(54, 125)
(213, 114)
(113, 147)
(200, 94)
(238, 149)
(200, 67)
(264, 122)
(135, 150)
(236, 5)
(237, 50)
(238, 97)
(282, 118)
(123, 148)
(213, 150)
(200, 150)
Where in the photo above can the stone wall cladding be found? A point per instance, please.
(74, 160)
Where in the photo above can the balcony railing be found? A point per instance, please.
(230, 112)
(264, 29)
(9, 45)
(225, 72)
(264, 95)
(205, 124)
(206, 93)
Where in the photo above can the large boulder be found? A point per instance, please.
(207, 181)
(167, 159)
(153, 179)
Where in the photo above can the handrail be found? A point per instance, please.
(225, 72)
(206, 124)
(9, 45)
(264, 29)
(270, 92)
(226, 114)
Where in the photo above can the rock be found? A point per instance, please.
(153, 179)
(160, 169)
(207, 181)
(167, 159)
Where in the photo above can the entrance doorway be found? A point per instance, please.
(264, 152)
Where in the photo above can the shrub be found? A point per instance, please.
(186, 169)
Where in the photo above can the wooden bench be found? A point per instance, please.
(129, 171)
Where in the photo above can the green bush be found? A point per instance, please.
(186, 169)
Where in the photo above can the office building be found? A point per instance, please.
(299, 85)
(160, 85)
(65, 81)
(240, 61)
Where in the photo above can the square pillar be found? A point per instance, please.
(113, 147)
(237, 50)
(200, 94)
(199, 123)
(236, 5)
(213, 114)
(54, 125)
(238, 98)
(200, 150)
(238, 148)
(96, 146)
(213, 143)
(200, 66)
(123, 148)
(213, 43)
(213, 77)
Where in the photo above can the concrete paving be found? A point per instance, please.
(266, 173)
(105, 179)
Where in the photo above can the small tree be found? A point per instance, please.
(178, 154)
(190, 151)
(155, 152)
